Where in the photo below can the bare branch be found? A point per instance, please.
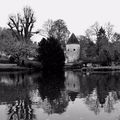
(23, 25)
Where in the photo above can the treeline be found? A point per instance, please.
(99, 43)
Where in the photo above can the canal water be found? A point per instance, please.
(59, 96)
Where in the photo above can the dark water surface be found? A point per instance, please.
(64, 96)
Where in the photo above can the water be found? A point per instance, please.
(64, 96)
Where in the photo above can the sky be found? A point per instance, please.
(77, 14)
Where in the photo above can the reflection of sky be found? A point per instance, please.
(76, 110)
(3, 112)
(79, 109)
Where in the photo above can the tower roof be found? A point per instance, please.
(73, 39)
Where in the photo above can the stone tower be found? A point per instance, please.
(72, 49)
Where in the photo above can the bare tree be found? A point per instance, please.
(109, 30)
(56, 29)
(22, 26)
(93, 30)
(46, 28)
(59, 30)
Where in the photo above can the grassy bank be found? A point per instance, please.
(102, 68)
(28, 65)
(12, 67)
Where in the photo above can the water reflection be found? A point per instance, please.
(14, 92)
(33, 96)
(21, 109)
(51, 89)
(103, 91)
(72, 84)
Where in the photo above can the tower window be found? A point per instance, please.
(73, 49)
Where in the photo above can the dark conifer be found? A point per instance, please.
(51, 55)
(102, 40)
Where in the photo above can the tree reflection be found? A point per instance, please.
(21, 110)
(103, 91)
(51, 89)
(14, 91)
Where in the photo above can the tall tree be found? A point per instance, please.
(46, 28)
(104, 49)
(84, 41)
(102, 40)
(92, 31)
(109, 30)
(91, 50)
(50, 54)
(60, 32)
(56, 29)
(22, 26)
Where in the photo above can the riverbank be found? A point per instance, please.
(72, 66)
(12, 67)
(102, 68)
(15, 67)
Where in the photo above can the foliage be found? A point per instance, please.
(87, 48)
(50, 54)
(109, 30)
(84, 41)
(116, 37)
(104, 57)
(17, 49)
(46, 28)
(59, 30)
(102, 40)
(116, 49)
(56, 29)
(91, 49)
(92, 32)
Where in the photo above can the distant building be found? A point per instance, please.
(72, 49)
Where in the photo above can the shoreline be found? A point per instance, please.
(13, 67)
(91, 68)
(101, 68)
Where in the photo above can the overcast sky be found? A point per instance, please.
(78, 14)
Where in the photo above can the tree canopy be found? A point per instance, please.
(50, 53)
(57, 29)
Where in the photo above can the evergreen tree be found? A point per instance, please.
(103, 48)
(91, 49)
(102, 40)
(51, 54)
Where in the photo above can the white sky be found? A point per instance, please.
(78, 14)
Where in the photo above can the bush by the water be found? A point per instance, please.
(51, 55)
(32, 64)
